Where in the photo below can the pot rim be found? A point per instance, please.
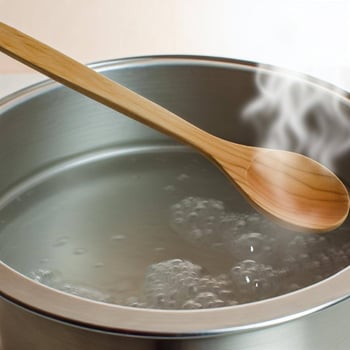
(59, 305)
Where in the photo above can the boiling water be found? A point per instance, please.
(156, 228)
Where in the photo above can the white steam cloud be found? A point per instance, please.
(294, 114)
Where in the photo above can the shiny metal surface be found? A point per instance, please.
(323, 330)
(49, 129)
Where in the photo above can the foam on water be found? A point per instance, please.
(254, 281)
(180, 284)
(84, 292)
(266, 261)
(198, 220)
(54, 279)
(45, 276)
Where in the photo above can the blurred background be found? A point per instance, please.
(309, 36)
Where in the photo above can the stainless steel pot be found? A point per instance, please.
(47, 130)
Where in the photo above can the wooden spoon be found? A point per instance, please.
(292, 189)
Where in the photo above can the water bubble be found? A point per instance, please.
(182, 177)
(307, 243)
(241, 223)
(159, 249)
(45, 276)
(99, 264)
(251, 245)
(132, 301)
(118, 237)
(178, 283)
(311, 258)
(84, 292)
(169, 188)
(254, 281)
(79, 251)
(265, 262)
(226, 294)
(208, 300)
(191, 304)
(293, 286)
(61, 241)
(198, 220)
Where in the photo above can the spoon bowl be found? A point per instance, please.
(290, 188)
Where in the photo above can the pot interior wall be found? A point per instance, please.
(90, 199)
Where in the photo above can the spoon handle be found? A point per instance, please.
(98, 87)
(290, 187)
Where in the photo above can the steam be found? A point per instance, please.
(294, 114)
